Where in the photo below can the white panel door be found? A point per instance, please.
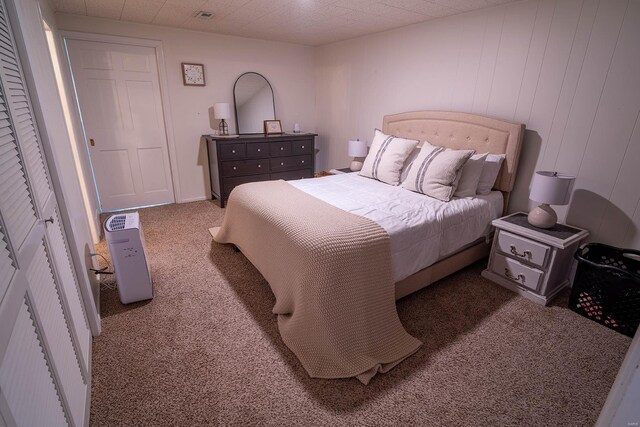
(121, 106)
(44, 332)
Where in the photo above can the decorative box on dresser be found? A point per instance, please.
(533, 262)
(251, 158)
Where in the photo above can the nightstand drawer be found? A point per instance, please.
(517, 272)
(522, 248)
(231, 151)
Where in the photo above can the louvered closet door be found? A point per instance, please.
(45, 339)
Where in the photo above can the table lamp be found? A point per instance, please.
(549, 188)
(222, 112)
(357, 148)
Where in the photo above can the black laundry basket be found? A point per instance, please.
(606, 288)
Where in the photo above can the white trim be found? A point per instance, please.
(164, 91)
(195, 199)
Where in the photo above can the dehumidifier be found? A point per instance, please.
(129, 256)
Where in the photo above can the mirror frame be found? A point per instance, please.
(235, 108)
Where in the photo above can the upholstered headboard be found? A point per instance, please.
(463, 130)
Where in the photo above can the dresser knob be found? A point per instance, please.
(233, 151)
(281, 148)
(234, 168)
(281, 163)
(258, 150)
(303, 146)
(302, 162)
(259, 166)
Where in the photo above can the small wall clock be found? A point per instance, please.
(192, 74)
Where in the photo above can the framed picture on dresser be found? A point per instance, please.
(272, 127)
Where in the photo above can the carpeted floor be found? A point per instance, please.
(206, 350)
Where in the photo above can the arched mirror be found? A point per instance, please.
(253, 102)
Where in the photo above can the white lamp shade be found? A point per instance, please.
(358, 148)
(551, 188)
(222, 110)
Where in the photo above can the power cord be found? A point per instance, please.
(104, 270)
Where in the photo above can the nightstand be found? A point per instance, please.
(533, 262)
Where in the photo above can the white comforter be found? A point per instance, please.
(422, 229)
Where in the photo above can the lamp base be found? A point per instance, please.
(223, 128)
(543, 216)
(356, 165)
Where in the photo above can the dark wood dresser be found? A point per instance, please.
(250, 158)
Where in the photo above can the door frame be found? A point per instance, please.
(164, 93)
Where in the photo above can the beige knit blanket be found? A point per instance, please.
(330, 271)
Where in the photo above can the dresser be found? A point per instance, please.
(251, 158)
(533, 262)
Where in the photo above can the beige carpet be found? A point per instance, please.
(206, 350)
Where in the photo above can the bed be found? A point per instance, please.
(330, 267)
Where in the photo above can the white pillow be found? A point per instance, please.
(386, 157)
(470, 176)
(408, 163)
(435, 171)
(490, 171)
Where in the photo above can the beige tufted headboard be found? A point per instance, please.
(463, 130)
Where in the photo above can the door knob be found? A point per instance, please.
(92, 142)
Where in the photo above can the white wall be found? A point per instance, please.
(568, 69)
(288, 67)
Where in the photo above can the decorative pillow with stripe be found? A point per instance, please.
(386, 157)
(435, 170)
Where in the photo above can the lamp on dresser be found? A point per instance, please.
(357, 149)
(549, 188)
(222, 112)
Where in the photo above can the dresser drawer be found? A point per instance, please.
(299, 174)
(231, 183)
(280, 148)
(280, 164)
(522, 248)
(516, 272)
(257, 149)
(232, 151)
(245, 167)
(303, 146)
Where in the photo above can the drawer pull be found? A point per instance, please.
(233, 151)
(281, 148)
(520, 277)
(259, 166)
(281, 163)
(234, 168)
(302, 162)
(303, 146)
(258, 150)
(525, 254)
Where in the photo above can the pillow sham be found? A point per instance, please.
(435, 170)
(386, 157)
(406, 167)
(490, 171)
(470, 176)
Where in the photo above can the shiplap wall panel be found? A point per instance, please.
(535, 57)
(565, 68)
(510, 63)
(489, 53)
(547, 160)
(620, 103)
(25, 378)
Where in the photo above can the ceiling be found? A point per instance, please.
(308, 22)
